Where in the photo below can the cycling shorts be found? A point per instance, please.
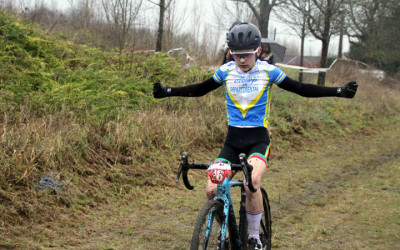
(254, 142)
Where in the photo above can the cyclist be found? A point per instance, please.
(248, 84)
(227, 55)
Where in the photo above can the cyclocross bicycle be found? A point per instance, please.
(216, 226)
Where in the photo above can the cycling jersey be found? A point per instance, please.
(248, 94)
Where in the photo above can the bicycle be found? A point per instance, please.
(216, 226)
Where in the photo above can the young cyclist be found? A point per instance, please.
(248, 83)
(227, 55)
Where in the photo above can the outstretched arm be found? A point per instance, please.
(312, 90)
(194, 90)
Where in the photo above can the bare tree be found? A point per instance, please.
(174, 22)
(120, 15)
(365, 14)
(39, 12)
(324, 18)
(262, 12)
(293, 14)
(163, 5)
(232, 11)
(8, 5)
(374, 33)
(36, 12)
(81, 13)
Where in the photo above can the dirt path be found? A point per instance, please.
(332, 195)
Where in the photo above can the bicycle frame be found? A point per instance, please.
(224, 195)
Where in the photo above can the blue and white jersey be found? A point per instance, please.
(248, 94)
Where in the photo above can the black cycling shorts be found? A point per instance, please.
(254, 142)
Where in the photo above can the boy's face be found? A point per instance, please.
(245, 59)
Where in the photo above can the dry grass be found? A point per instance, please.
(373, 94)
(99, 161)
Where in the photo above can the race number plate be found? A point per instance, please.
(218, 172)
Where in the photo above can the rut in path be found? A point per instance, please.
(297, 201)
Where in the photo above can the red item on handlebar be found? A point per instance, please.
(218, 172)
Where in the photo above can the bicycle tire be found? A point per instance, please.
(199, 241)
(266, 222)
(243, 225)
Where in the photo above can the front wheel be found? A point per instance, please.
(207, 231)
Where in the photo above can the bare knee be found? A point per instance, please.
(256, 182)
(259, 168)
(211, 190)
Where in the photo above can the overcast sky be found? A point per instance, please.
(284, 34)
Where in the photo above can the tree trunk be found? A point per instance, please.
(303, 36)
(321, 78)
(324, 57)
(340, 52)
(265, 11)
(160, 26)
(301, 58)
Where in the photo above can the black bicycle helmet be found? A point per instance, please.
(244, 36)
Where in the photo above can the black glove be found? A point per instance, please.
(160, 91)
(347, 91)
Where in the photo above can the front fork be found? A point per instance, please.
(240, 235)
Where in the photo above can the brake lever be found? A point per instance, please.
(247, 169)
(184, 163)
(183, 168)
